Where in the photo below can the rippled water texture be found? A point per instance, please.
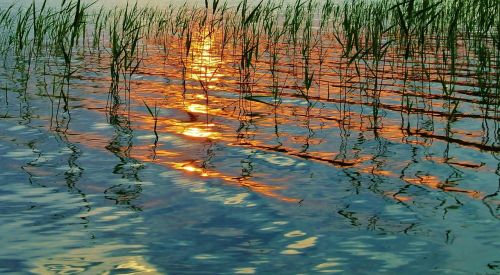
(245, 170)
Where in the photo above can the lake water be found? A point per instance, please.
(236, 185)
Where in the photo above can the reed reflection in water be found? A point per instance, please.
(225, 142)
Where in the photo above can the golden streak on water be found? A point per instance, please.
(200, 97)
(190, 168)
(309, 242)
(290, 252)
(202, 109)
(200, 133)
(204, 63)
(197, 108)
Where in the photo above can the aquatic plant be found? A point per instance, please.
(153, 112)
(353, 47)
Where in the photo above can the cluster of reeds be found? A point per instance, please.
(36, 37)
(355, 45)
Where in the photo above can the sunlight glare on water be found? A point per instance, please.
(213, 156)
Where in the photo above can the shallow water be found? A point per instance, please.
(121, 3)
(235, 185)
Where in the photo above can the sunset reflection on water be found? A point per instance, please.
(203, 63)
(201, 132)
(239, 179)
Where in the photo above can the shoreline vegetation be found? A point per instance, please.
(435, 58)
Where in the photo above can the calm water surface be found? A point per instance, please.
(234, 186)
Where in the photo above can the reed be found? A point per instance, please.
(353, 46)
(153, 112)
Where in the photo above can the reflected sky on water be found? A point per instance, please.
(221, 184)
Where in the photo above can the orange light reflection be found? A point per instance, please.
(204, 63)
